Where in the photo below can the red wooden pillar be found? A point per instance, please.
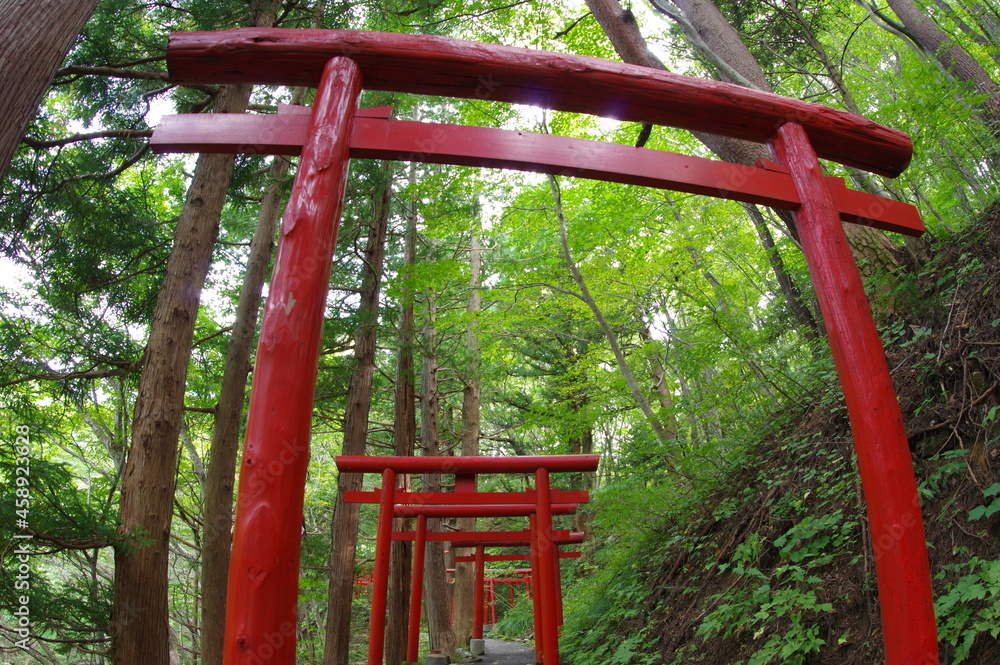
(416, 590)
(262, 595)
(380, 578)
(536, 597)
(477, 598)
(557, 566)
(546, 564)
(492, 599)
(905, 594)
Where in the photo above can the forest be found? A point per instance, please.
(487, 312)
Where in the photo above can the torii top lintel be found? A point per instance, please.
(466, 465)
(434, 65)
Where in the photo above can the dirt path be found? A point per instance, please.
(501, 652)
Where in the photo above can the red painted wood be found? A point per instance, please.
(536, 600)
(477, 595)
(546, 569)
(574, 538)
(884, 462)
(467, 498)
(416, 590)
(264, 568)
(483, 537)
(527, 151)
(433, 65)
(492, 600)
(516, 557)
(512, 510)
(283, 133)
(380, 576)
(467, 465)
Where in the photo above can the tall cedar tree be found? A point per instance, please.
(140, 631)
(34, 37)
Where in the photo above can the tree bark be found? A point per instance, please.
(793, 296)
(344, 527)
(471, 395)
(955, 59)
(437, 591)
(404, 440)
(663, 435)
(221, 474)
(140, 622)
(34, 38)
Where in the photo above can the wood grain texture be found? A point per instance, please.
(884, 463)
(467, 498)
(262, 597)
(381, 138)
(516, 557)
(434, 65)
(467, 465)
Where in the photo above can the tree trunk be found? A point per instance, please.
(140, 622)
(955, 59)
(793, 296)
(404, 439)
(471, 393)
(221, 472)
(721, 43)
(344, 528)
(437, 591)
(658, 373)
(34, 38)
(663, 435)
(140, 614)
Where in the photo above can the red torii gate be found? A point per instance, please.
(420, 536)
(546, 597)
(487, 558)
(266, 543)
(539, 505)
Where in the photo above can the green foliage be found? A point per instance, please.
(980, 512)
(687, 290)
(517, 623)
(969, 605)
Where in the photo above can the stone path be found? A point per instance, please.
(501, 652)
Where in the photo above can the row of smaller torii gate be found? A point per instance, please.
(539, 505)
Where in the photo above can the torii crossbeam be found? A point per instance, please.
(266, 540)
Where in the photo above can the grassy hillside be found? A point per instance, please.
(770, 559)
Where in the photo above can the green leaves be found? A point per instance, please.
(969, 606)
(980, 512)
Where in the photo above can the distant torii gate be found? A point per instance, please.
(266, 540)
(420, 536)
(539, 504)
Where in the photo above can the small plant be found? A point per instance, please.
(987, 510)
(969, 606)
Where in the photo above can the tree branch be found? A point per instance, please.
(114, 72)
(89, 136)
(127, 368)
(677, 15)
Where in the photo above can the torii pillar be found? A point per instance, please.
(265, 565)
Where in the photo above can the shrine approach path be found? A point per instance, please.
(502, 652)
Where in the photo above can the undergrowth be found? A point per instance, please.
(769, 560)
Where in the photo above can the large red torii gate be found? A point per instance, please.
(266, 542)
